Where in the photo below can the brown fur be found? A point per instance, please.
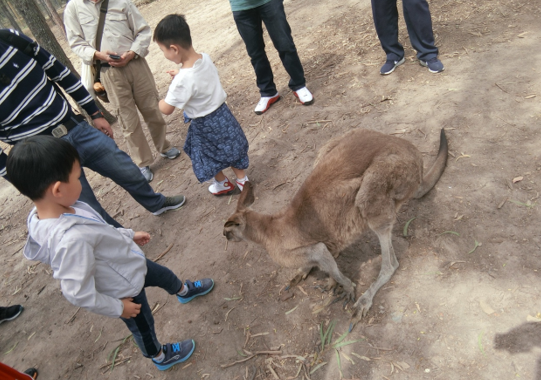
(359, 182)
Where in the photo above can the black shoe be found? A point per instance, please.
(196, 289)
(175, 353)
(32, 372)
(11, 312)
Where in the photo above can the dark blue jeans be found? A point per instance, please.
(101, 154)
(418, 22)
(249, 24)
(142, 326)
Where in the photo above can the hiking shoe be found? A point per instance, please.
(434, 65)
(196, 289)
(11, 312)
(221, 188)
(265, 102)
(32, 372)
(171, 153)
(389, 66)
(240, 183)
(171, 203)
(175, 353)
(305, 96)
(147, 173)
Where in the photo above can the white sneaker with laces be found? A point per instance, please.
(304, 96)
(220, 188)
(265, 102)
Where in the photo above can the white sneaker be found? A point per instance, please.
(221, 188)
(304, 96)
(265, 102)
(240, 182)
(147, 173)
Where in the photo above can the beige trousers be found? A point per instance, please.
(130, 88)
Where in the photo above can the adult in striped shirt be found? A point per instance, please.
(31, 103)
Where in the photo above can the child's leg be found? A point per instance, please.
(219, 176)
(142, 328)
(158, 275)
(239, 173)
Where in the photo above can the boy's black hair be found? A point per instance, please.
(173, 30)
(35, 163)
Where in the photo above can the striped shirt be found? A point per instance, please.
(29, 102)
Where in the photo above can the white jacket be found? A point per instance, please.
(96, 263)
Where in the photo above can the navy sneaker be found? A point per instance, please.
(434, 65)
(10, 313)
(175, 353)
(196, 289)
(390, 65)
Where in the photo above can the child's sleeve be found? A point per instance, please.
(126, 232)
(179, 93)
(76, 274)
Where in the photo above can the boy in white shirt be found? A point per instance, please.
(215, 140)
(101, 268)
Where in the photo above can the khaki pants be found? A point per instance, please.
(130, 88)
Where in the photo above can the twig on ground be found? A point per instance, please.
(251, 356)
(164, 252)
(73, 316)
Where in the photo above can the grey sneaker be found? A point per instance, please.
(147, 173)
(175, 353)
(171, 153)
(171, 203)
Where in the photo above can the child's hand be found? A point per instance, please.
(172, 73)
(130, 309)
(141, 237)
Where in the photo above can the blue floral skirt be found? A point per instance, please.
(216, 142)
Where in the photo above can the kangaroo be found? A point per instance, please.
(359, 182)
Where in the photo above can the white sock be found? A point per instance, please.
(183, 291)
(159, 358)
(221, 182)
(242, 180)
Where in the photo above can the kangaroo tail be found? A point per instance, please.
(435, 172)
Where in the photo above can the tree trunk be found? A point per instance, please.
(55, 15)
(7, 12)
(42, 33)
(47, 11)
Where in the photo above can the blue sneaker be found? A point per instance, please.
(175, 353)
(389, 66)
(434, 65)
(196, 289)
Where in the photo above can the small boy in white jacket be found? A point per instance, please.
(101, 268)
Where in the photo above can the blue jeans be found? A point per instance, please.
(101, 154)
(249, 24)
(142, 326)
(418, 22)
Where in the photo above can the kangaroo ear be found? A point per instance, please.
(246, 197)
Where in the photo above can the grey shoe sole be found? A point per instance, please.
(15, 316)
(167, 208)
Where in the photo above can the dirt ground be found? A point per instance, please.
(465, 302)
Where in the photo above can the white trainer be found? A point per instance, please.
(265, 102)
(220, 188)
(147, 173)
(304, 96)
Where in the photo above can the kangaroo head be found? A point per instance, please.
(236, 224)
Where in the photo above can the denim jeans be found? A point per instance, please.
(418, 22)
(142, 326)
(101, 154)
(249, 24)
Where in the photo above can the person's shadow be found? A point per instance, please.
(521, 339)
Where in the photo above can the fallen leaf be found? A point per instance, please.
(486, 307)
(518, 179)
(530, 96)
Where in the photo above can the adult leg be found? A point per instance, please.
(101, 154)
(146, 98)
(87, 196)
(386, 22)
(120, 94)
(419, 24)
(249, 25)
(142, 327)
(274, 17)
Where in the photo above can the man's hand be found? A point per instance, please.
(141, 237)
(173, 72)
(103, 126)
(124, 59)
(130, 309)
